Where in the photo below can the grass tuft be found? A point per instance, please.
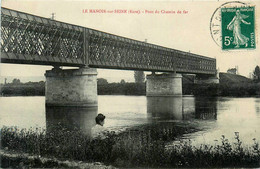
(133, 148)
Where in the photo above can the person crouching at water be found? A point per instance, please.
(98, 131)
(101, 145)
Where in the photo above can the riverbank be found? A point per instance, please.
(147, 146)
(23, 89)
(119, 150)
(230, 85)
(12, 159)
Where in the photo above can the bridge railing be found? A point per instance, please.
(111, 51)
(31, 39)
(36, 40)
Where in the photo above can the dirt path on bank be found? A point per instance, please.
(24, 160)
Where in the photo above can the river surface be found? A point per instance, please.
(213, 117)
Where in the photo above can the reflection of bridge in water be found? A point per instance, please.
(179, 108)
(207, 108)
(71, 118)
(30, 39)
(159, 109)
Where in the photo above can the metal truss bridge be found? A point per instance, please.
(30, 39)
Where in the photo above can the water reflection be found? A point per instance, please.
(257, 106)
(213, 116)
(206, 108)
(165, 108)
(181, 108)
(70, 118)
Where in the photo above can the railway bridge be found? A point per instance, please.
(30, 39)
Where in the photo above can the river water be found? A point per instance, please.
(213, 117)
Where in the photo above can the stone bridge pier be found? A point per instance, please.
(71, 87)
(171, 84)
(164, 84)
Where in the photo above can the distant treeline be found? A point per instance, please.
(23, 89)
(229, 85)
(225, 88)
(236, 90)
(122, 89)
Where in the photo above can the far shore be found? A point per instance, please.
(230, 85)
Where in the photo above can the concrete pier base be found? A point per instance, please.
(71, 87)
(164, 85)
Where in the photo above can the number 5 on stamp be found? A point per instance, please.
(238, 28)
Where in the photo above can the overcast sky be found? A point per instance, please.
(186, 32)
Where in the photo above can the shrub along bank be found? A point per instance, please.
(146, 147)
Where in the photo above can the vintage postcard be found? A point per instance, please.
(130, 84)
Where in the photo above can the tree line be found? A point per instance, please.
(225, 88)
(17, 88)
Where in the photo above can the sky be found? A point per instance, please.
(188, 32)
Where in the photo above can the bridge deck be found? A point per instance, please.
(30, 39)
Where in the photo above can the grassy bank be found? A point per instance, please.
(145, 147)
(20, 161)
(24, 160)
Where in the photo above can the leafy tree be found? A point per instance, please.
(256, 73)
(102, 81)
(16, 81)
(139, 76)
(122, 81)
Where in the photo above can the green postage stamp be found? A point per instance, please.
(238, 28)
